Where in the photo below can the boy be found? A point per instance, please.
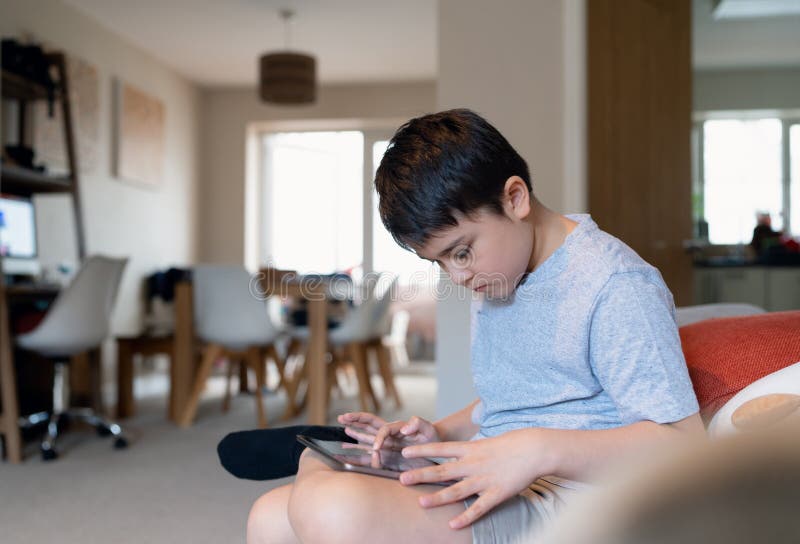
(575, 357)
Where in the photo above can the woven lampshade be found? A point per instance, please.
(288, 78)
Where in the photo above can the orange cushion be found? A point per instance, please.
(725, 355)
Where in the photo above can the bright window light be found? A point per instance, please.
(314, 200)
(742, 176)
(387, 255)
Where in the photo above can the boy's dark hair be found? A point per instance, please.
(439, 164)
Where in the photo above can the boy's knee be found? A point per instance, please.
(330, 507)
(266, 516)
(256, 520)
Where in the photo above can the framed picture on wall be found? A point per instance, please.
(138, 148)
(48, 126)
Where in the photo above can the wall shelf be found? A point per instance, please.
(17, 87)
(25, 182)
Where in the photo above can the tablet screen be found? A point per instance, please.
(363, 455)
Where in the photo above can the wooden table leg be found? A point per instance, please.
(94, 358)
(125, 402)
(244, 381)
(385, 367)
(80, 386)
(182, 367)
(317, 374)
(9, 409)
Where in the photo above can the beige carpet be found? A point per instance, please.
(166, 487)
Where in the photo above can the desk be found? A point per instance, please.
(180, 347)
(9, 407)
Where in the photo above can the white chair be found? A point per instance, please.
(692, 314)
(77, 323)
(360, 333)
(233, 323)
(395, 341)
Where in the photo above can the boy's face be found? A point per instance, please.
(488, 252)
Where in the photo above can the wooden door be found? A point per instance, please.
(639, 79)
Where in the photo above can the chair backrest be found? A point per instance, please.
(399, 330)
(227, 310)
(79, 318)
(382, 317)
(370, 319)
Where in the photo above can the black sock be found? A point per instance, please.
(267, 454)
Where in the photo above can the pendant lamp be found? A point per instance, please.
(287, 77)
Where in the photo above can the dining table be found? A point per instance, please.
(316, 291)
(183, 346)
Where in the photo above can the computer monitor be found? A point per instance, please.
(18, 237)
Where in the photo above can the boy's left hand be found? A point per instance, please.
(493, 468)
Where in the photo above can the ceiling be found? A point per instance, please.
(756, 40)
(217, 42)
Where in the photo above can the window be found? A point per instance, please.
(318, 200)
(313, 200)
(742, 174)
(387, 255)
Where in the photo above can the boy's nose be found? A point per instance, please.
(460, 276)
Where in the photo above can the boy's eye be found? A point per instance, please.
(461, 257)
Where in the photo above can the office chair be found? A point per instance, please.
(233, 324)
(77, 322)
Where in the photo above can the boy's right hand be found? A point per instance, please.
(399, 434)
(362, 426)
(370, 429)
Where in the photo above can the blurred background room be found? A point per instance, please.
(189, 236)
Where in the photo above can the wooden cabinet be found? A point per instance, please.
(639, 110)
(772, 288)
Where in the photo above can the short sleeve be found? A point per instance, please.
(635, 350)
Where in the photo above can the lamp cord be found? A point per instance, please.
(287, 15)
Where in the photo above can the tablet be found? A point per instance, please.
(361, 458)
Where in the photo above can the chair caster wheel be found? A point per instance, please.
(120, 443)
(103, 431)
(49, 454)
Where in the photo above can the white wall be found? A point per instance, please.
(226, 114)
(153, 227)
(521, 66)
(745, 89)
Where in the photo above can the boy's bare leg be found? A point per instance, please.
(268, 522)
(332, 506)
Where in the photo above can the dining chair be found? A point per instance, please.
(359, 335)
(234, 325)
(396, 340)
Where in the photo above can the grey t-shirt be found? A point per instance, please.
(588, 340)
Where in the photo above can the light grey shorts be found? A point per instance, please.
(521, 518)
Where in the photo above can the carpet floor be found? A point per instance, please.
(168, 485)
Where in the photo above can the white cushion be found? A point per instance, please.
(692, 314)
(785, 380)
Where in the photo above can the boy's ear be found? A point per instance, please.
(516, 198)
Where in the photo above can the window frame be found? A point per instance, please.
(257, 250)
(787, 118)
